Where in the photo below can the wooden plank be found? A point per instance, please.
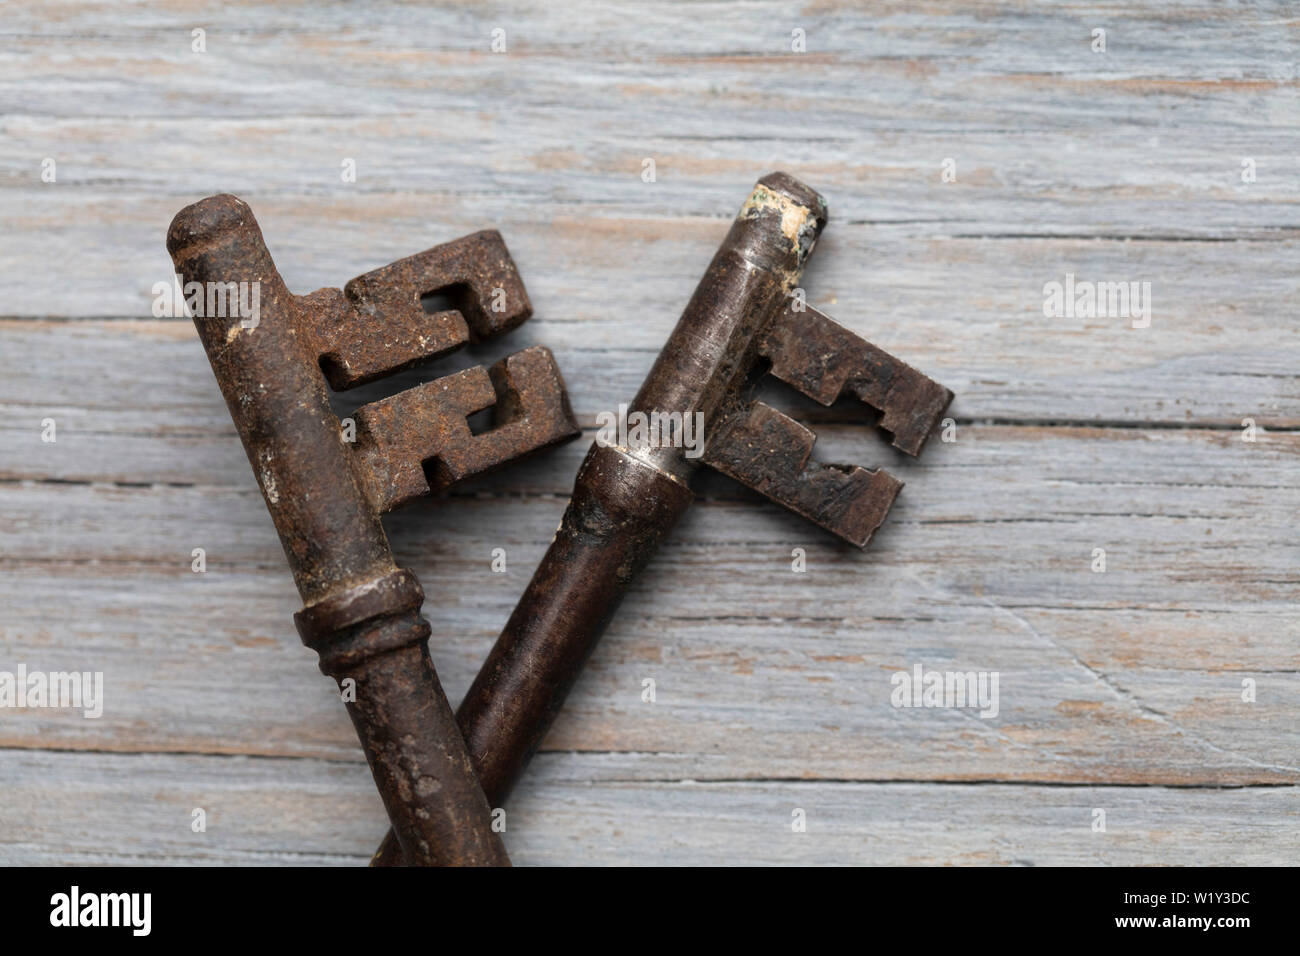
(1220, 505)
(986, 564)
(135, 402)
(108, 809)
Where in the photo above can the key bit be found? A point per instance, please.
(770, 452)
(325, 494)
(741, 319)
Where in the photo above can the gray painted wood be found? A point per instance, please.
(1119, 690)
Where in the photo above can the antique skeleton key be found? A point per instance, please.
(626, 499)
(325, 494)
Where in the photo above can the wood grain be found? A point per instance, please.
(1120, 690)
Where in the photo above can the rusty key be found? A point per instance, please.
(361, 612)
(741, 320)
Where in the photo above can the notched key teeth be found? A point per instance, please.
(530, 413)
(419, 441)
(481, 280)
(771, 453)
(388, 319)
(528, 385)
(814, 354)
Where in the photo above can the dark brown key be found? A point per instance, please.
(626, 499)
(325, 493)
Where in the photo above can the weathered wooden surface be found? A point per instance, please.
(1119, 691)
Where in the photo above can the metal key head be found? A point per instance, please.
(741, 318)
(376, 325)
